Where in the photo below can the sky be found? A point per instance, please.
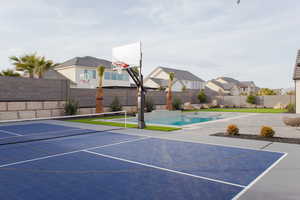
(256, 40)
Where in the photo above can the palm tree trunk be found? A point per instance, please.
(169, 97)
(99, 100)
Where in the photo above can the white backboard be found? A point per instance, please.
(129, 54)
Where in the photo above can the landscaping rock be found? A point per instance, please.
(295, 122)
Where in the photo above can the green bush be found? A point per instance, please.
(232, 129)
(251, 99)
(115, 105)
(149, 105)
(202, 96)
(267, 131)
(291, 108)
(71, 107)
(177, 104)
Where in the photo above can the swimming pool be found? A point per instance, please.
(178, 118)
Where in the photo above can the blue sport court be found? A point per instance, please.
(85, 164)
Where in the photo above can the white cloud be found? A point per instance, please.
(256, 40)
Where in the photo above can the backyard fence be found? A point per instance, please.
(264, 101)
(16, 89)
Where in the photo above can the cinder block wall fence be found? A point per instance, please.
(22, 98)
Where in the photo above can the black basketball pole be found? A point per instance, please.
(141, 98)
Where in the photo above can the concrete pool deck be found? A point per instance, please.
(281, 182)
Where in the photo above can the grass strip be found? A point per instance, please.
(118, 124)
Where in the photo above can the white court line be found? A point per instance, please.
(70, 152)
(11, 133)
(258, 178)
(165, 169)
(200, 142)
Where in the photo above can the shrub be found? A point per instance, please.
(149, 105)
(202, 96)
(251, 99)
(291, 108)
(115, 105)
(267, 131)
(177, 104)
(71, 107)
(232, 129)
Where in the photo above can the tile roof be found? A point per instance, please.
(182, 74)
(87, 61)
(297, 67)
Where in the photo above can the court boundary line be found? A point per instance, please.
(70, 152)
(259, 177)
(10, 133)
(166, 169)
(201, 142)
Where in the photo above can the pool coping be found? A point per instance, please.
(190, 126)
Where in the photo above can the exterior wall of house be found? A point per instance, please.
(177, 86)
(235, 91)
(297, 82)
(68, 72)
(195, 85)
(150, 83)
(161, 74)
(87, 77)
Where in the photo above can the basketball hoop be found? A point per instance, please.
(119, 66)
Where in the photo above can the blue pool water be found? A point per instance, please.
(181, 120)
(178, 118)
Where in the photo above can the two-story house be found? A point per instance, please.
(297, 81)
(230, 86)
(159, 78)
(82, 71)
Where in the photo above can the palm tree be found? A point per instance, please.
(32, 64)
(169, 92)
(42, 66)
(99, 95)
(25, 63)
(9, 72)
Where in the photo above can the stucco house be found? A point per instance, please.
(230, 86)
(159, 79)
(297, 82)
(82, 72)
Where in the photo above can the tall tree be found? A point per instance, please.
(25, 63)
(100, 93)
(32, 64)
(169, 92)
(9, 72)
(42, 66)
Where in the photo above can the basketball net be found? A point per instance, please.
(119, 66)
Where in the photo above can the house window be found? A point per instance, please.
(116, 76)
(125, 77)
(107, 75)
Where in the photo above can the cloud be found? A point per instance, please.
(256, 40)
